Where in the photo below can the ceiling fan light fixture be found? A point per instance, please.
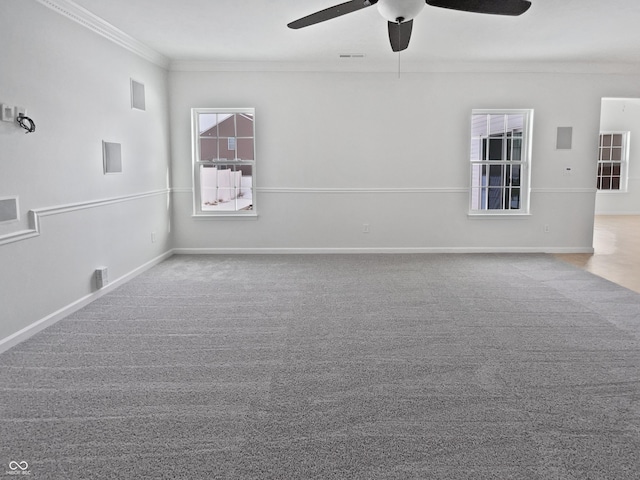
(393, 10)
(400, 13)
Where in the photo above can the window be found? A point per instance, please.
(223, 161)
(613, 156)
(500, 159)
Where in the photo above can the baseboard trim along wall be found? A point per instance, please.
(258, 251)
(31, 330)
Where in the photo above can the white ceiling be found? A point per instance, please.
(584, 31)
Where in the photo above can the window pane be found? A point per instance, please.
(515, 175)
(615, 169)
(616, 154)
(244, 124)
(226, 125)
(245, 149)
(615, 183)
(476, 149)
(477, 197)
(516, 149)
(606, 169)
(515, 198)
(495, 148)
(515, 122)
(617, 140)
(208, 149)
(208, 124)
(477, 175)
(496, 124)
(479, 125)
(606, 140)
(495, 199)
(606, 183)
(226, 187)
(606, 154)
(496, 175)
(223, 150)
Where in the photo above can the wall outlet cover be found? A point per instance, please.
(7, 113)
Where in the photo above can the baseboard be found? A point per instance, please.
(31, 330)
(617, 214)
(266, 251)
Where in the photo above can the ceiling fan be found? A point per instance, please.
(400, 13)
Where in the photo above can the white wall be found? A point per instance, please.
(323, 137)
(334, 151)
(622, 114)
(75, 85)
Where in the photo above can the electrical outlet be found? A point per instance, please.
(7, 113)
(546, 229)
(20, 111)
(153, 237)
(365, 228)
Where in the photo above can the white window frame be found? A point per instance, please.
(198, 163)
(524, 163)
(624, 162)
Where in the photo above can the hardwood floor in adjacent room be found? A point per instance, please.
(616, 257)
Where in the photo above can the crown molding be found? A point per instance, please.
(84, 17)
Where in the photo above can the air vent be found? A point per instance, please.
(101, 277)
(352, 55)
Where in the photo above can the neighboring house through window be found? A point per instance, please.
(613, 160)
(223, 161)
(500, 161)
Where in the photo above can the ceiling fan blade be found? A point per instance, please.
(331, 12)
(400, 34)
(493, 7)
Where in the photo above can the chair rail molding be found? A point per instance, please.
(35, 214)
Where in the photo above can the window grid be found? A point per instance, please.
(612, 161)
(498, 161)
(224, 161)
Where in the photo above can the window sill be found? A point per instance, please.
(234, 216)
(501, 215)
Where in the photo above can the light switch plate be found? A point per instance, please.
(7, 113)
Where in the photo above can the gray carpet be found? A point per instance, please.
(334, 367)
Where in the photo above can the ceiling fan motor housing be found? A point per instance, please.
(394, 10)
